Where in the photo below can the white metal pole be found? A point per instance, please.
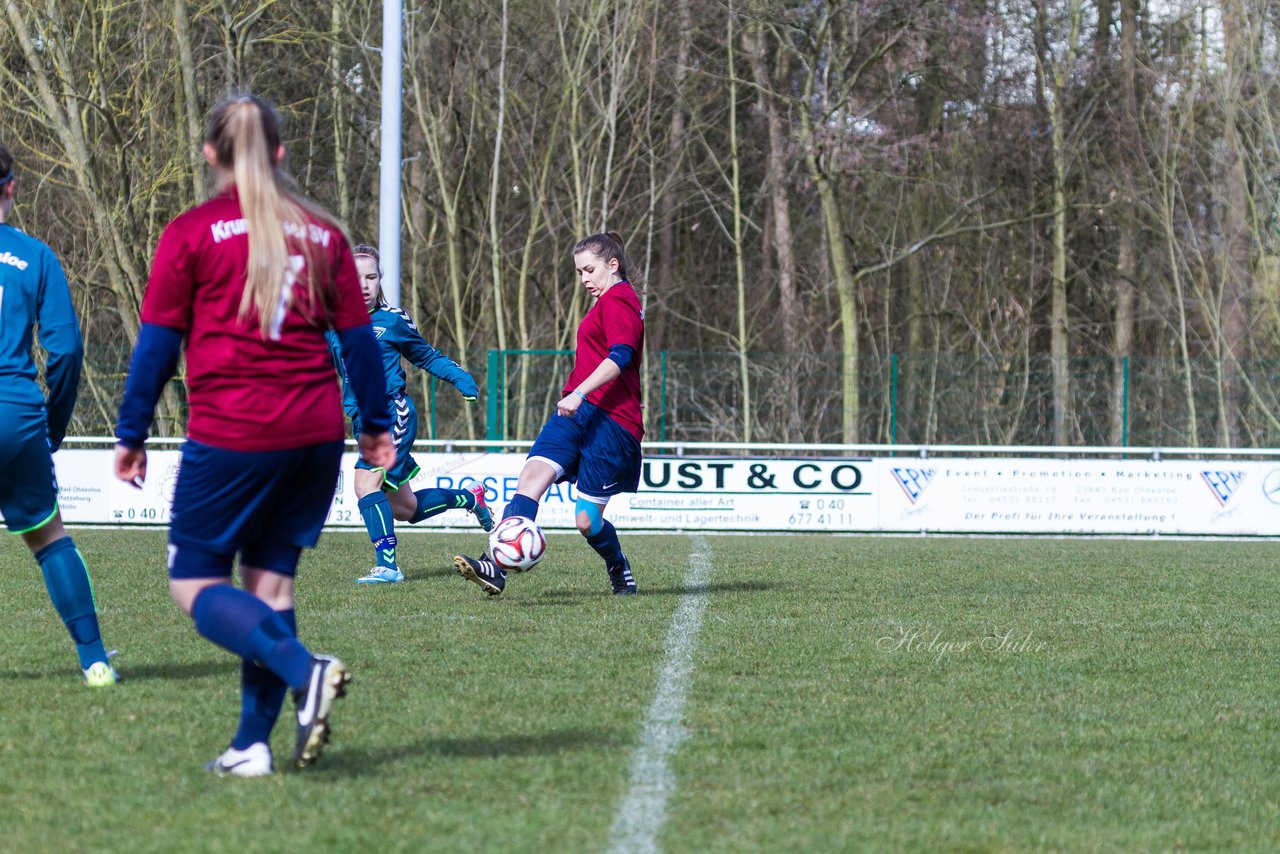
(389, 170)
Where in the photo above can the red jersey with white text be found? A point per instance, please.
(248, 392)
(616, 318)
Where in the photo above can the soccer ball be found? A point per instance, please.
(517, 544)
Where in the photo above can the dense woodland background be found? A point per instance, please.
(978, 220)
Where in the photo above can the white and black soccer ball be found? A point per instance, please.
(517, 544)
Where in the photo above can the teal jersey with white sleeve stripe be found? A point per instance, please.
(34, 295)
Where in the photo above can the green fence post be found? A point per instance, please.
(493, 385)
(1124, 408)
(662, 398)
(893, 398)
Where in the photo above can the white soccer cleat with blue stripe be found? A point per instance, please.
(381, 575)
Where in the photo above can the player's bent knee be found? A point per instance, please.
(186, 590)
(45, 534)
(273, 587)
(192, 569)
(404, 505)
(590, 517)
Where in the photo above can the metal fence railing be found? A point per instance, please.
(698, 396)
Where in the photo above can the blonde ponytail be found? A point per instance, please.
(245, 132)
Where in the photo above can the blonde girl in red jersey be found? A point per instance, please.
(246, 284)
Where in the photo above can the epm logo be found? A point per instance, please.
(913, 481)
(1223, 484)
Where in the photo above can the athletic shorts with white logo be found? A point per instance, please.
(266, 506)
(591, 450)
(404, 432)
(28, 487)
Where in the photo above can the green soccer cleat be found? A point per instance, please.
(100, 675)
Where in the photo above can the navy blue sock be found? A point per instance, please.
(261, 696)
(375, 509)
(521, 505)
(434, 501)
(71, 591)
(605, 542)
(238, 621)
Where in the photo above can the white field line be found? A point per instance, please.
(641, 813)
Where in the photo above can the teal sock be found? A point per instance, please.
(71, 591)
(375, 509)
(435, 501)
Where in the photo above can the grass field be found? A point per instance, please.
(838, 694)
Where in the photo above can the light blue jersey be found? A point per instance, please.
(34, 293)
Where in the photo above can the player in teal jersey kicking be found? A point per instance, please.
(34, 292)
(384, 494)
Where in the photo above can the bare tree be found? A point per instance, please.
(1057, 74)
(781, 240)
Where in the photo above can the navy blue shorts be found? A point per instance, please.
(404, 432)
(266, 506)
(591, 450)
(28, 487)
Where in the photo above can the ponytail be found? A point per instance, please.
(244, 131)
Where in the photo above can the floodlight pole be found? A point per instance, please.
(389, 168)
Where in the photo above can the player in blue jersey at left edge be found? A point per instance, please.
(384, 495)
(34, 292)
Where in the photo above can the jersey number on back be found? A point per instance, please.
(296, 263)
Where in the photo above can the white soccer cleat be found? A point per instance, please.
(253, 761)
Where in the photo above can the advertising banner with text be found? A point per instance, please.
(1216, 497)
(951, 495)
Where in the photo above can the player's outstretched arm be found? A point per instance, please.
(411, 344)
